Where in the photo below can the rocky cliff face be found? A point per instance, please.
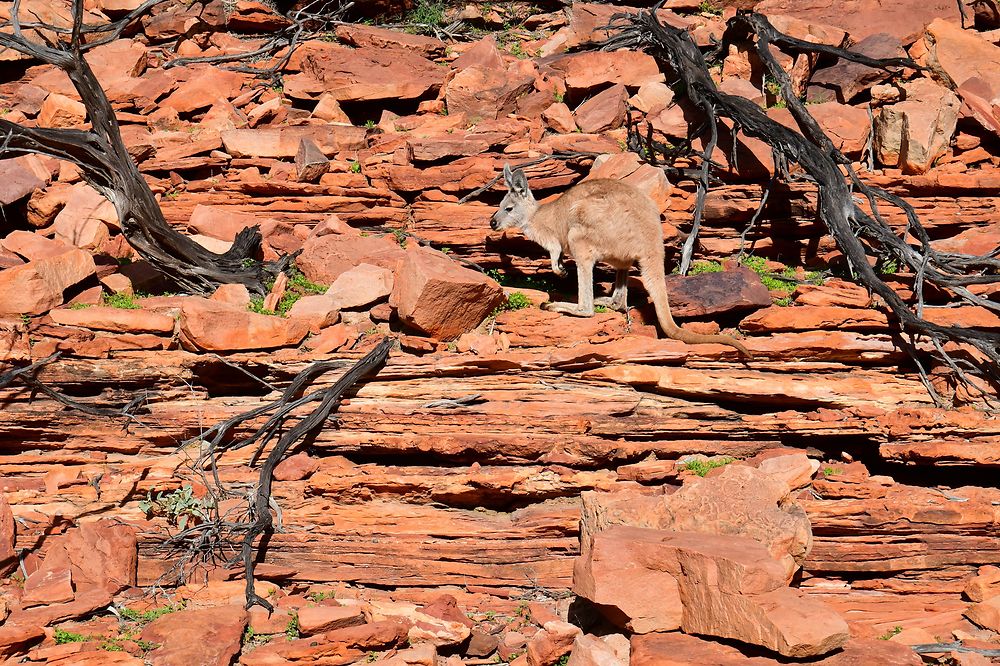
(806, 503)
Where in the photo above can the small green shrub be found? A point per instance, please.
(147, 616)
(179, 506)
(79, 306)
(699, 267)
(62, 636)
(831, 471)
(892, 632)
(121, 300)
(292, 630)
(355, 167)
(369, 124)
(600, 309)
(709, 7)
(703, 467)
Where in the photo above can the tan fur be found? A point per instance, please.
(604, 221)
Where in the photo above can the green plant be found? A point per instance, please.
(709, 7)
(783, 302)
(559, 97)
(298, 280)
(446, 250)
(831, 471)
(111, 645)
(292, 630)
(400, 237)
(179, 506)
(518, 51)
(600, 309)
(887, 266)
(699, 267)
(320, 596)
(145, 616)
(563, 660)
(248, 635)
(514, 301)
(247, 263)
(257, 305)
(426, 15)
(773, 282)
(370, 124)
(79, 306)
(120, 300)
(702, 467)
(62, 636)
(355, 167)
(892, 632)
(372, 657)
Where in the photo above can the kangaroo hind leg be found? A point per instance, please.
(619, 297)
(585, 292)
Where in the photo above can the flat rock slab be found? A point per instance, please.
(707, 294)
(115, 319)
(209, 636)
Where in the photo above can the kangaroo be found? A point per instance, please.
(599, 220)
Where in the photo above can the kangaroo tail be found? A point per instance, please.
(655, 281)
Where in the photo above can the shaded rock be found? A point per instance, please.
(250, 16)
(316, 619)
(16, 181)
(115, 319)
(16, 638)
(361, 286)
(848, 78)
(210, 636)
(914, 133)
(483, 54)
(38, 286)
(481, 644)
(214, 326)
(325, 258)
(986, 613)
(310, 162)
(602, 112)
(486, 94)
(559, 118)
(360, 35)
(85, 219)
(439, 297)
(8, 536)
(708, 294)
(847, 126)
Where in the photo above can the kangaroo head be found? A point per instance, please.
(518, 204)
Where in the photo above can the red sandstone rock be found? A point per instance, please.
(559, 118)
(15, 638)
(250, 16)
(590, 69)
(115, 319)
(101, 555)
(985, 584)
(326, 258)
(34, 246)
(17, 181)
(283, 142)
(850, 78)
(367, 73)
(360, 35)
(970, 64)
(554, 640)
(483, 94)
(812, 318)
(604, 111)
(47, 586)
(590, 650)
(203, 87)
(361, 286)
(38, 286)
(861, 18)
(209, 636)
(61, 111)
(914, 133)
(215, 326)
(439, 297)
(318, 619)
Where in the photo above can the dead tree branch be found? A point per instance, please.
(105, 164)
(220, 534)
(971, 355)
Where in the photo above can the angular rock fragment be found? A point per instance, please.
(439, 297)
(915, 132)
(310, 162)
(38, 286)
(214, 326)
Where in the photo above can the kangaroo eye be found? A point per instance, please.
(509, 207)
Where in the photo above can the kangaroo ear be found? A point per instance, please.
(519, 182)
(508, 177)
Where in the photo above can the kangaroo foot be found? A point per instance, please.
(567, 308)
(609, 303)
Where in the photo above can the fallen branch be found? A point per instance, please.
(215, 536)
(971, 355)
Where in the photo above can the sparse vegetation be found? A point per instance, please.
(180, 506)
(400, 237)
(425, 16)
(600, 309)
(832, 471)
(120, 300)
(146, 616)
(892, 632)
(62, 636)
(699, 267)
(515, 301)
(370, 124)
(292, 630)
(79, 306)
(701, 467)
(709, 7)
(355, 167)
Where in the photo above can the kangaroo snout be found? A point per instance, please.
(494, 224)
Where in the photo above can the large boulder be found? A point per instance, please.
(210, 636)
(441, 298)
(604, 111)
(904, 19)
(325, 258)
(725, 586)
(366, 74)
(101, 555)
(594, 69)
(214, 326)
(37, 286)
(485, 93)
(847, 78)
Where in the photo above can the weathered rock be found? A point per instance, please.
(559, 118)
(707, 294)
(861, 18)
(970, 64)
(360, 35)
(215, 326)
(283, 142)
(986, 613)
(46, 586)
(985, 584)
(591, 69)
(310, 162)
(848, 78)
(439, 297)
(738, 500)
(17, 181)
(8, 536)
(325, 258)
(250, 16)
(38, 286)
(361, 286)
(604, 111)
(318, 310)
(101, 555)
(367, 73)
(115, 319)
(34, 246)
(486, 94)
(555, 640)
(209, 636)
(728, 586)
(16, 638)
(590, 650)
(203, 88)
(813, 318)
(317, 619)
(914, 133)
(59, 111)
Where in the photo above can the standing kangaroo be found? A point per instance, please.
(599, 220)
